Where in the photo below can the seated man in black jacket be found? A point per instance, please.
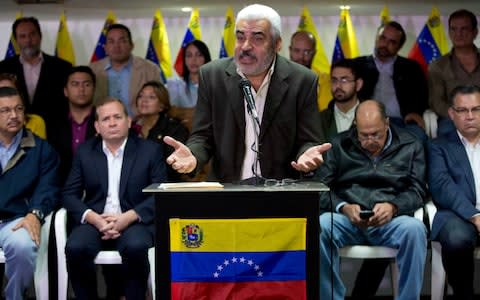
(378, 167)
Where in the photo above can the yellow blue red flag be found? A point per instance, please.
(159, 48)
(99, 51)
(64, 47)
(346, 42)
(320, 64)
(193, 33)
(12, 48)
(238, 258)
(432, 41)
(228, 38)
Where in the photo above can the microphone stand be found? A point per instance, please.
(256, 146)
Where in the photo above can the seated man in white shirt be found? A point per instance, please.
(103, 196)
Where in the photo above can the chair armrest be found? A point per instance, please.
(431, 125)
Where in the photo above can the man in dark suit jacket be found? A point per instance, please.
(285, 94)
(40, 77)
(454, 175)
(396, 81)
(103, 195)
(75, 127)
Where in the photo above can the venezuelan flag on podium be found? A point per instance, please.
(99, 52)
(159, 48)
(238, 259)
(320, 64)
(346, 42)
(193, 33)
(64, 46)
(228, 38)
(431, 43)
(12, 48)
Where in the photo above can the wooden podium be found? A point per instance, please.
(296, 200)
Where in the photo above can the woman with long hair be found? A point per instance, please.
(183, 91)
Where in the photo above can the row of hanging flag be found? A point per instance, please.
(430, 44)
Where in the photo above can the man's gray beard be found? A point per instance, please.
(30, 52)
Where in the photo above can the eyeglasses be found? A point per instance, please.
(6, 111)
(463, 111)
(342, 80)
(375, 136)
(275, 182)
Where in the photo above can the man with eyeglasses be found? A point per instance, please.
(29, 190)
(345, 84)
(460, 66)
(454, 177)
(378, 167)
(121, 74)
(396, 81)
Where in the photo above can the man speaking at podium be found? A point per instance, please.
(256, 113)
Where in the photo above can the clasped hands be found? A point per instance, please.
(183, 161)
(111, 225)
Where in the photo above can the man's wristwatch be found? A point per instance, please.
(38, 213)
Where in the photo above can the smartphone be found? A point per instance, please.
(366, 214)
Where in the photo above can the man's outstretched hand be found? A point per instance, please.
(182, 159)
(311, 159)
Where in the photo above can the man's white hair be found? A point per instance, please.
(258, 12)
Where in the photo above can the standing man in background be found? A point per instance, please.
(284, 94)
(121, 74)
(302, 48)
(395, 81)
(458, 67)
(40, 77)
(77, 125)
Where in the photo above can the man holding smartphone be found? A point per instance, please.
(376, 173)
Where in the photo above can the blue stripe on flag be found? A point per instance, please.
(237, 267)
(428, 47)
(337, 51)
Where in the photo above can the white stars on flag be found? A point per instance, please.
(234, 260)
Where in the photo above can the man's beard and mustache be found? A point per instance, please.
(31, 51)
(383, 52)
(341, 96)
(260, 67)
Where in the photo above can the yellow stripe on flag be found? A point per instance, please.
(64, 47)
(238, 235)
(437, 30)
(320, 64)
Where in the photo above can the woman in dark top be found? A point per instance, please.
(153, 121)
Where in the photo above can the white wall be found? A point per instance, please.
(85, 26)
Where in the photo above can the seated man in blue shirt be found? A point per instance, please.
(29, 189)
(379, 167)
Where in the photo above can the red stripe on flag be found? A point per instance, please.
(179, 62)
(416, 54)
(285, 290)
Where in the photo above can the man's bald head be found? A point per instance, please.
(372, 126)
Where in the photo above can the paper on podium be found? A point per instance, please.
(190, 185)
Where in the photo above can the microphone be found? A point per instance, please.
(247, 92)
